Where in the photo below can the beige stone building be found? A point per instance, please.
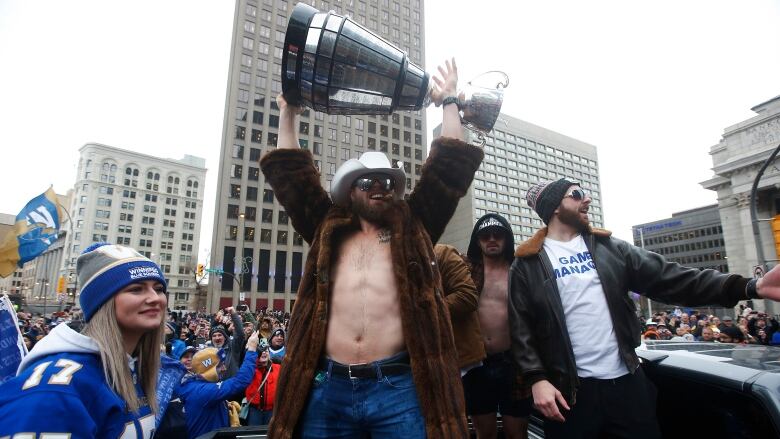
(736, 159)
(149, 203)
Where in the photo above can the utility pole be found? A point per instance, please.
(649, 302)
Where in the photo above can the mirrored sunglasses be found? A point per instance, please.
(576, 195)
(365, 183)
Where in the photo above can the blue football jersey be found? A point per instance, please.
(66, 395)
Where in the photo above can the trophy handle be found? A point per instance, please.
(500, 84)
(480, 134)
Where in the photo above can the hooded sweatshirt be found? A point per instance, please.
(60, 388)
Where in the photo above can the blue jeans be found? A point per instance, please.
(382, 407)
(258, 417)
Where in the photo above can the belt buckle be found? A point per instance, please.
(349, 370)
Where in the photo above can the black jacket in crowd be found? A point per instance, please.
(540, 340)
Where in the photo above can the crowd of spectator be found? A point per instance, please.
(749, 327)
(229, 332)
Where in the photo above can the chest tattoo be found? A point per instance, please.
(384, 236)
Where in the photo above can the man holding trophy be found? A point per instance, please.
(370, 346)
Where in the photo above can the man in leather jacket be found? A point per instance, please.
(574, 327)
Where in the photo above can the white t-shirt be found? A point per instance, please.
(585, 308)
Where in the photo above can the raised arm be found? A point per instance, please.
(288, 120)
(295, 180)
(444, 87)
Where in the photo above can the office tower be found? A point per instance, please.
(518, 154)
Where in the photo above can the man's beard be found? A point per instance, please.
(572, 218)
(373, 214)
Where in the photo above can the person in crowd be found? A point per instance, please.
(202, 336)
(761, 322)
(186, 336)
(186, 357)
(248, 329)
(715, 323)
(276, 348)
(206, 389)
(100, 383)
(726, 322)
(231, 345)
(663, 332)
(29, 341)
(708, 335)
(266, 327)
(683, 329)
(370, 328)
(582, 367)
(494, 386)
(174, 346)
(731, 334)
(261, 392)
(651, 330)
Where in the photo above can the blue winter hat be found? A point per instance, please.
(104, 269)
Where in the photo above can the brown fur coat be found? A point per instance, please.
(414, 224)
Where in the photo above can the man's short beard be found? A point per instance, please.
(572, 218)
(372, 214)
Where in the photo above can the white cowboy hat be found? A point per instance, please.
(371, 162)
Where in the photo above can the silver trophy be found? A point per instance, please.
(334, 65)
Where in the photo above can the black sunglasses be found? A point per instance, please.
(577, 195)
(365, 183)
(494, 233)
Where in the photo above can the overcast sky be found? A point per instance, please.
(652, 84)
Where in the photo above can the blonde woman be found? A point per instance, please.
(99, 383)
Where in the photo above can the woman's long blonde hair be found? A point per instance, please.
(104, 329)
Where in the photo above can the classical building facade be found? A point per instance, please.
(736, 159)
(519, 154)
(149, 203)
(254, 245)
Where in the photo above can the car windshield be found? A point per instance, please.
(765, 358)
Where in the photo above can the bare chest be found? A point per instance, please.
(363, 269)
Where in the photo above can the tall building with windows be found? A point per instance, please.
(253, 243)
(693, 238)
(151, 204)
(519, 154)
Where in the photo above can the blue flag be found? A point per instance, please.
(12, 348)
(37, 227)
(168, 381)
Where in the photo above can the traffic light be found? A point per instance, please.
(199, 272)
(776, 233)
(61, 285)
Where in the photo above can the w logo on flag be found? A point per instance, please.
(41, 215)
(36, 228)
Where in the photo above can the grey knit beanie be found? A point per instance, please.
(545, 196)
(104, 269)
